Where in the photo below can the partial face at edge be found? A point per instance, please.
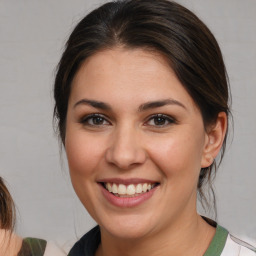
(130, 121)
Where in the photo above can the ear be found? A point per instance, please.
(214, 137)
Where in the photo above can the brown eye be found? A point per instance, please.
(95, 120)
(160, 120)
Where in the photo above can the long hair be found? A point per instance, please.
(7, 209)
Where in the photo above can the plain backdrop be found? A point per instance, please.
(32, 37)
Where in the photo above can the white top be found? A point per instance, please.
(53, 249)
(236, 247)
(224, 244)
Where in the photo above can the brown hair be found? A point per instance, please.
(7, 210)
(162, 26)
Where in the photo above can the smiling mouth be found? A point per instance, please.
(130, 190)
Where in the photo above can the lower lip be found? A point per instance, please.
(126, 202)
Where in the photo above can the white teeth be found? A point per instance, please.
(109, 187)
(145, 187)
(121, 189)
(139, 188)
(131, 189)
(114, 188)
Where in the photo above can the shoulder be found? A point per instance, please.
(40, 247)
(53, 249)
(32, 246)
(224, 244)
(235, 246)
(88, 244)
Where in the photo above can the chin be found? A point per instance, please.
(128, 228)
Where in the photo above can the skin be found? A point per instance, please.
(129, 143)
(10, 243)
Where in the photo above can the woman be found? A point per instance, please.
(141, 103)
(10, 243)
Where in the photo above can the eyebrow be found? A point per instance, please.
(143, 107)
(93, 103)
(160, 103)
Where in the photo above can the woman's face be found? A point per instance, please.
(135, 143)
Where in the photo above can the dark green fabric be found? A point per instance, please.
(218, 242)
(32, 247)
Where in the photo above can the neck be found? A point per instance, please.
(190, 235)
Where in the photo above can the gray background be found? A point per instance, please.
(32, 36)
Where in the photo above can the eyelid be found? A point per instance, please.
(83, 120)
(169, 118)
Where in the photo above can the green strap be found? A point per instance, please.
(218, 242)
(32, 247)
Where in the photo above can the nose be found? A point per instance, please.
(126, 149)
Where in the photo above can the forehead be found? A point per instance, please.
(119, 61)
(128, 74)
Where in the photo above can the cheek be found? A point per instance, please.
(83, 154)
(178, 156)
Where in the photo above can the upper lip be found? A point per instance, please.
(126, 181)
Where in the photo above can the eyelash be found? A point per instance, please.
(164, 118)
(161, 118)
(85, 120)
